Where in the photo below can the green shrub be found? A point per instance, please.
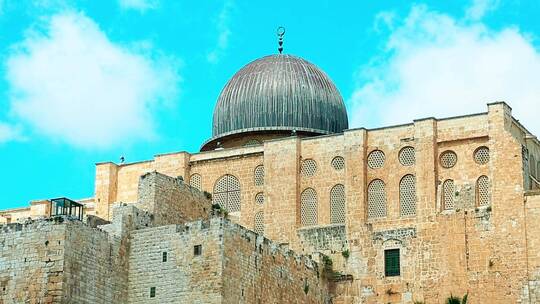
(346, 253)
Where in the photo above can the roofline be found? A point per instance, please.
(259, 129)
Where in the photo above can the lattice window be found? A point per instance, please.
(227, 193)
(481, 155)
(195, 181)
(376, 199)
(532, 166)
(448, 192)
(259, 198)
(407, 195)
(258, 226)
(482, 191)
(448, 159)
(308, 207)
(308, 168)
(337, 204)
(376, 159)
(407, 156)
(338, 163)
(252, 142)
(258, 175)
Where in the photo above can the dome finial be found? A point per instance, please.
(280, 33)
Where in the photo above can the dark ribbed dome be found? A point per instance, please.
(279, 92)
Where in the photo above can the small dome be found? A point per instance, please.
(279, 93)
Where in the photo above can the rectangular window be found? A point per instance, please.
(152, 292)
(197, 250)
(391, 263)
(164, 256)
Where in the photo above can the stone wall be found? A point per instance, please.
(181, 277)
(60, 260)
(32, 262)
(233, 266)
(170, 200)
(531, 291)
(256, 270)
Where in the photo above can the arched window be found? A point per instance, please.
(376, 199)
(448, 191)
(308, 207)
(337, 204)
(259, 198)
(532, 166)
(482, 191)
(407, 195)
(195, 181)
(258, 226)
(227, 193)
(258, 175)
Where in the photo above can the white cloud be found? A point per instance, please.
(73, 84)
(435, 65)
(140, 5)
(224, 33)
(9, 133)
(479, 8)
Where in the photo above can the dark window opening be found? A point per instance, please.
(164, 257)
(152, 292)
(197, 250)
(391, 263)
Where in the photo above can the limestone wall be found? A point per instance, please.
(170, 200)
(182, 277)
(256, 270)
(59, 260)
(32, 262)
(531, 291)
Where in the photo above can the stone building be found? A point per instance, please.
(407, 213)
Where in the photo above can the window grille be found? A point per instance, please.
(376, 159)
(259, 223)
(164, 257)
(227, 193)
(448, 159)
(391, 263)
(407, 156)
(308, 168)
(481, 155)
(258, 175)
(252, 142)
(259, 198)
(337, 204)
(448, 192)
(152, 292)
(195, 181)
(376, 199)
(308, 207)
(532, 166)
(407, 195)
(482, 191)
(338, 163)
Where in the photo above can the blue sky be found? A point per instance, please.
(89, 81)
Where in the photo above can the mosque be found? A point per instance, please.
(286, 204)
